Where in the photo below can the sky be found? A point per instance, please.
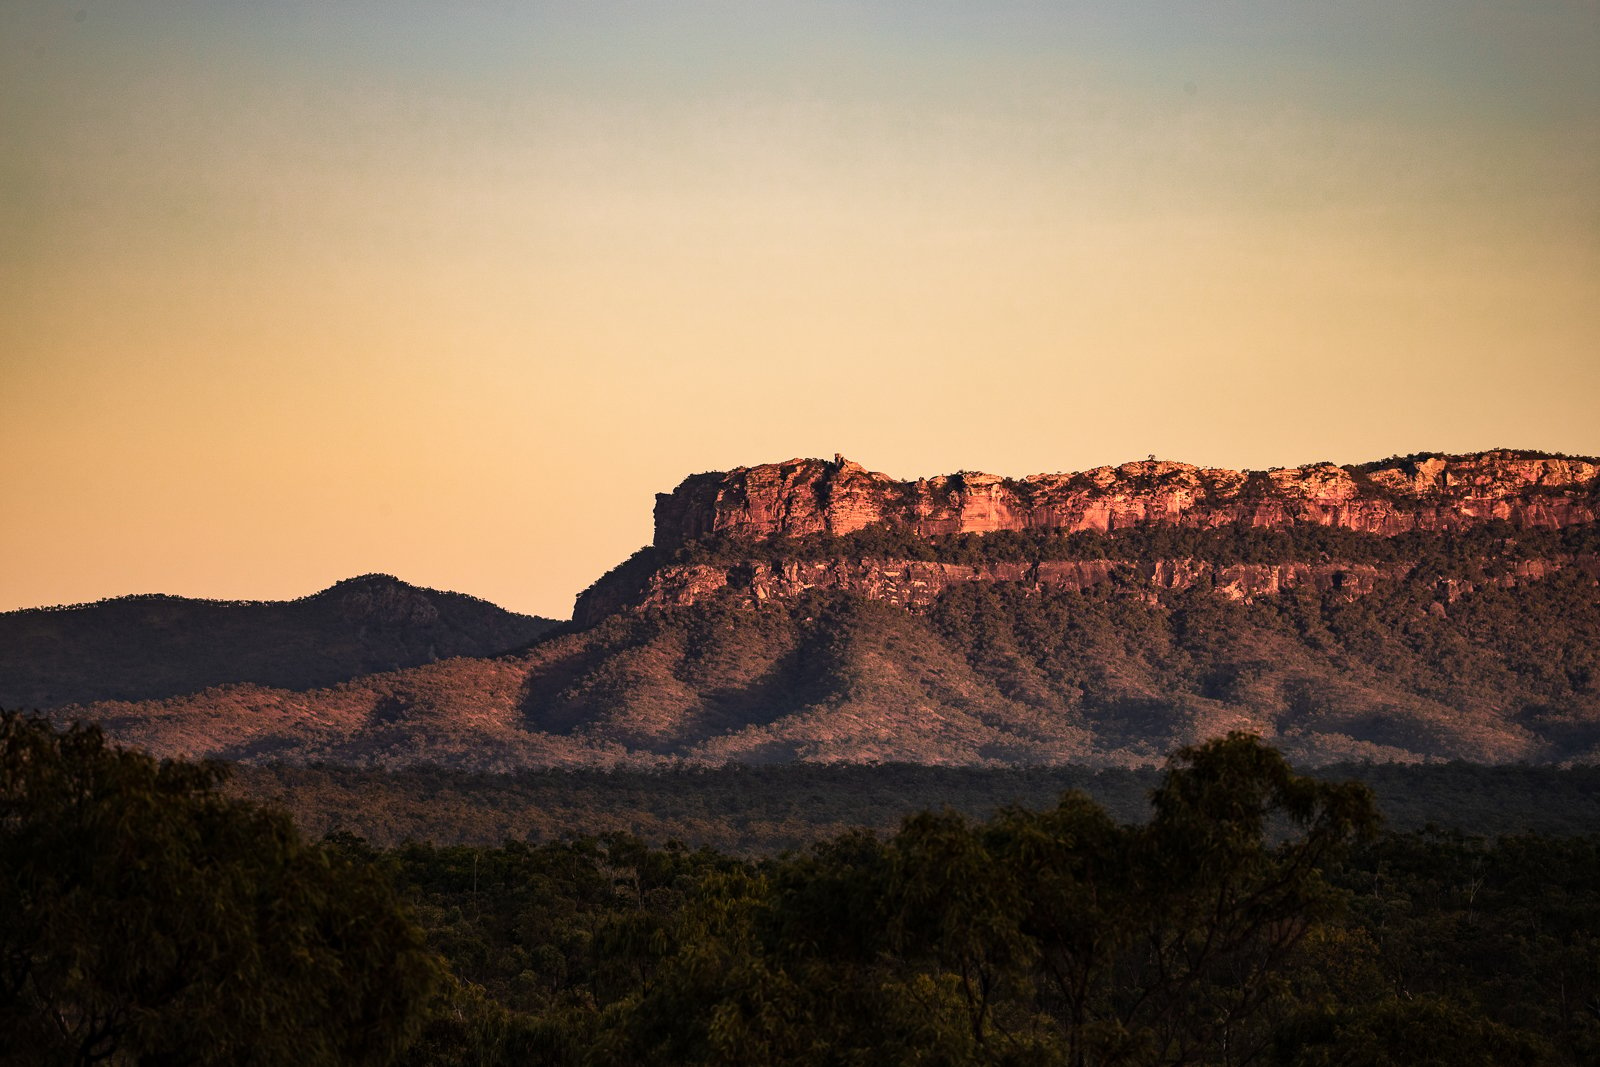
(293, 291)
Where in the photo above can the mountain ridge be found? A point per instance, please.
(777, 638)
(155, 645)
(369, 580)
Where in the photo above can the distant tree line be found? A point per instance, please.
(762, 811)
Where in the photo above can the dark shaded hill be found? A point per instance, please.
(152, 647)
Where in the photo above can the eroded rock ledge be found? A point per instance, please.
(811, 496)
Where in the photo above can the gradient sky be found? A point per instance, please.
(291, 291)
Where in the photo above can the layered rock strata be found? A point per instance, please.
(810, 496)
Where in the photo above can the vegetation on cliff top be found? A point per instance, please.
(1444, 553)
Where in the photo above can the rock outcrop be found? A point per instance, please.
(811, 496)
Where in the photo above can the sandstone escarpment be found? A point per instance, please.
(809, 496)
(749, 510)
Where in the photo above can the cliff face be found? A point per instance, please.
(810, 496)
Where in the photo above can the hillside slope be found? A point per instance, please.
(991, 673)
(144, 647)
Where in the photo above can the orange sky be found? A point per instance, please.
(291, 292)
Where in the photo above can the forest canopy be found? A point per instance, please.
(1255, 916)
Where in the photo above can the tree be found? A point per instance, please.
(1229, 881)
(1153, 944)
(145, 918)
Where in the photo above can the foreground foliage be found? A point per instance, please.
(1253, 918)
(144, 918)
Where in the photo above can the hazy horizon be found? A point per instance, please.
(295, 292)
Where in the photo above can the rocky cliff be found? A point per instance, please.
(811, 496)
(808, 499)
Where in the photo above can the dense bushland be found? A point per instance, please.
(1255, 916)
(1457, 551)
(146, 918)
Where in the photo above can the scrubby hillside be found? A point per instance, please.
(1118, 674)
(144, 647)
